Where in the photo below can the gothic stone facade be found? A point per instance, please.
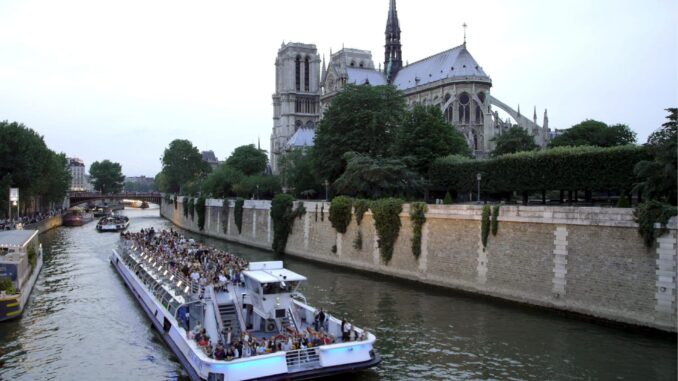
(451, 80)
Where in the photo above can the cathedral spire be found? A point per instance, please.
(393, 59)
(534, 116)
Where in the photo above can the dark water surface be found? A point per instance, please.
(82, 323)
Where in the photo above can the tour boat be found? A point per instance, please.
(265, 304)
(76, 217)
(20, 264)
(113, 224)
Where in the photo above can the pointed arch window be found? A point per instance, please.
(307, 76)
(297, 76)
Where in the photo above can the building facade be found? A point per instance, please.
(451, 80)
(78, 181)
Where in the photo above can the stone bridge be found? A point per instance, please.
(77, 198)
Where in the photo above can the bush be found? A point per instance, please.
(200, 208)
(185, 206)
(648, 214)
(623, 201)
(418, 217)
(283, 219)
(358, 241)
(485, 225)
(340, 213)
(191, 208)
(360, 206)
(386, 214)
(448, 199)
(32, 256)
(237, 213)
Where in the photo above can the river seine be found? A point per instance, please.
(82, 323)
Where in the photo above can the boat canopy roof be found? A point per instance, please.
(16, 239)
(271, 272)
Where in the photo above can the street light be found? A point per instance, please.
(327, 184)
(479, 177)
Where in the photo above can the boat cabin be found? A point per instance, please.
(18, 251)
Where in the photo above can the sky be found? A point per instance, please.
(121, 79)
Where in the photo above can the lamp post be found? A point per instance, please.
(479, 177)
(327, 184)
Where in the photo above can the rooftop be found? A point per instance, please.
(16, 238)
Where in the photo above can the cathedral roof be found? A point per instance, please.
(303, 137)
(361, 76)
(456, 63)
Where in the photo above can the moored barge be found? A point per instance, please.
(20, 265)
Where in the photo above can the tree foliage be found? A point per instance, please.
(516, 139)
(658, 176)
(650, 213)
(426, 136)
(299, 173)
(107, 176)
(200, 209)
(248, 159)
(237, 213)
(258, 186)
(375, 177)
(26, 163)
(594, 133)
(221, 182)
(361, 119)
(181, 163)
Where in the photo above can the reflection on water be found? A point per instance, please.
(82, 323)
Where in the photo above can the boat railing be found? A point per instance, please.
(237, 306)
(295, 319)
(302, 359)
(209, 293)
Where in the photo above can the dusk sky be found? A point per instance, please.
(120, 79)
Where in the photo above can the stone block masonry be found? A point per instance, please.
(589, 261)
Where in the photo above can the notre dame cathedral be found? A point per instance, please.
(451, 80)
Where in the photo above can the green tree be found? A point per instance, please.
(299, 173)
(594, 133)
(26, 162)
(182, 162)
(220, 183)
(107, 176)
(514, 140)
(373, 178)
(258, 186)
(426, 136)
(248, 159)
(658, 176)
(361, 119)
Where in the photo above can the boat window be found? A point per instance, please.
(276, 288)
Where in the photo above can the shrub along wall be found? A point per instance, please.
(564, 168)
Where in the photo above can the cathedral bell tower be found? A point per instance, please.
(393, 58)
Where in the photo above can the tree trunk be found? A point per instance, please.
(525, 197)
(562, 196)
(543, 197)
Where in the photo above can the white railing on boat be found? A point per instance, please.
(237, 306)
(301, 359)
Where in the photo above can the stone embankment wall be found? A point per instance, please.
(48, 224)
(584, 260)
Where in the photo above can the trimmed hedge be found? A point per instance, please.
(386, 213)
(237, 213)
(340, 213)
(566, 168)
(200, 209)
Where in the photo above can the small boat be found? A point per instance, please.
(20, 264)
(76, 217)
(113, 224)
(262, 306)
(100, 211)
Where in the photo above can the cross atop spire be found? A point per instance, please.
(464, 26)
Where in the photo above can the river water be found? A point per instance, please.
(82, 323)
